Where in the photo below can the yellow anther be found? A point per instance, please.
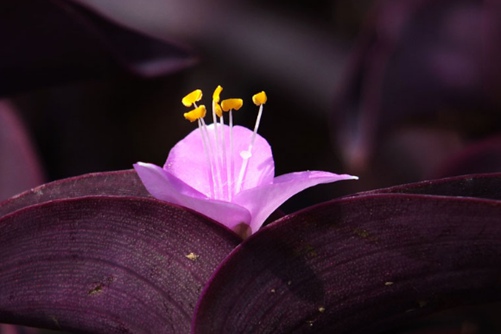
(259, 98)
(196, 113)
(217, 92)
(192, 97)
(217, 109)
(234, 104)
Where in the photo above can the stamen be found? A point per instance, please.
(217, 156)
(230, 104)
(192, 97)
(198, 114)
(224, 159)
(212, 153)
(217, 109)
(259, 99)
(213, 146)
(195, 114)
(202, 127)
(217, 93)
(232, 160)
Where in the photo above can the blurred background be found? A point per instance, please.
(393, 91)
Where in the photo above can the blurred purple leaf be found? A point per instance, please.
(107, 264)
(361, 264)
(421, 62)
(480, 157)
(51, 41)
(19, 167)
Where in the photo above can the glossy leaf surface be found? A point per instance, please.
(358, 265)
(107, 264)
(476, 185)
(117, 183)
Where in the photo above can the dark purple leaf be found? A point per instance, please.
(421, 62)
(480, 157)
(478, 185)
(19, 166)
(357, 265)
(52, 41)
(118, 183)
(107, 264)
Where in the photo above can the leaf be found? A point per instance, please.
(107, 264)
(19, 166)
(477, 185)
(48, 42)
(117, 183)
(480, 157)
(361, 264)
(424, 66)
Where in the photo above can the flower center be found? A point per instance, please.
(217, 141)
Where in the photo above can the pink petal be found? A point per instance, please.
(187, 160)
(262, 201)
(166, 187)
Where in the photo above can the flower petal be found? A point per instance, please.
(188, 160)
(166, 187)
(262, 201)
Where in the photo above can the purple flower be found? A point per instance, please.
(226, 172)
